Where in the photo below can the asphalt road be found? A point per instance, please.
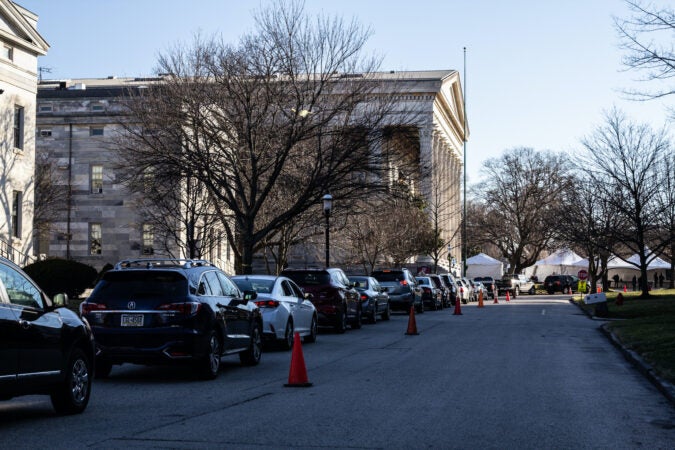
(531, 373)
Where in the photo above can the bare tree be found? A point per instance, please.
(294, 105)
(647, 38)
(521, 200)
(623, 159)
(666, 199)
(49, 196)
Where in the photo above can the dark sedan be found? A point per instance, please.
(374, 298)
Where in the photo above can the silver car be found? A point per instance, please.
(285, 308)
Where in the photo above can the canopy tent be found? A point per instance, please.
(560, 262)
(627, 269)
(482, 265)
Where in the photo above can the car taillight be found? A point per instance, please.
(185, 308)
(364, 297)
(426, 290)
(404, 282)
(86, 308)
(267, 304)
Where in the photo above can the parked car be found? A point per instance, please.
(445, 294)
(451, 284)
(464, 290)
(479, 289)
(285, 309)
(566, 284)
(171, 311)
(336, 301)
(432, 296)
(490, 286)
(374, 298)
(472, 293)
(403, 290)
(46, 348)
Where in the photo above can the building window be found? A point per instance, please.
(16, 214)
(18, 127)
(96, 131)
(45, 132)
(46, 108)
(96, 179)
(97, 107)
(148, 239)
(148, 179)
(95, 239)
(7, 52)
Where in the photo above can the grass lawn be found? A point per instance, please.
(646, 326)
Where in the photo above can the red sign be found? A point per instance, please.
(582, 274)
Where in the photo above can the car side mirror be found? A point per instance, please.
(308, 296)
(60, 300)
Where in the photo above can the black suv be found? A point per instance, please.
(156, 311)
(46, 348)
(333, 296)
(402, 288)
(567, 284)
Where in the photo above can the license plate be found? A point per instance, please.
(132, 320)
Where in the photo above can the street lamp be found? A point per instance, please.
(327, 207)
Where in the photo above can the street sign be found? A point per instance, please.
(582, 274)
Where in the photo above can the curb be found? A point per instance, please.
(666, 388)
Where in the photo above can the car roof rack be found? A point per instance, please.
(149, 263)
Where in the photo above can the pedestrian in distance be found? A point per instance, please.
(661, 280)
(656, 280)
(616, 280)
(634, 282)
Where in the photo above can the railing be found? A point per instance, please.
(13, 254)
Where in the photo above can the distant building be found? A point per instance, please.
(20, 46)
(98, 223)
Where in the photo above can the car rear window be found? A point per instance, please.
(313, 278)
(145, 284)
(388, 276)
(253, 284)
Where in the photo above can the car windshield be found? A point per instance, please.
(146, 284)
(253, 284)
(424, 281)
(309, 278)
(388, 276)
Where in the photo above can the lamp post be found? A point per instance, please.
(327, 207)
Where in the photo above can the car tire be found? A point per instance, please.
(341, 321)
(71, 395)
(373, 315)
(532, 291)
(313, 331)
(252, 355)
(516, 292)
(358, 321)
(550, 292)
(209, 365)
(386, 315)
(102, 368)
(287, 342)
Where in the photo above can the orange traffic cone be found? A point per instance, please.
(619, 299)
(458, 307)
(480, 299)
(599, 289)
(297, 376)
(508, 297)
(624, 288)
(496, 297)
(412, 325)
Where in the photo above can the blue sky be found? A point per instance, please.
(538, 74)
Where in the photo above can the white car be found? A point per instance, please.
(465, 291)
(284, 307)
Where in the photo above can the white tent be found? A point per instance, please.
(482, 265)
(562, 261)
(627, 269)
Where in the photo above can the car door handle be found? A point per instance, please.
(24, 324)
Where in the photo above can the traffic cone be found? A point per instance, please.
(297, 376)
(599, 289)
(624, 288)
(619, 299)
(508, 297)
(496, 297)
(480, 299)
(458, 307)
(412, 325)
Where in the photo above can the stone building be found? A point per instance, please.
(20, 46)
(98, 223)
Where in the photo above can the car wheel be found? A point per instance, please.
(566, 290)
(341, 321)
(516, 292)
(550, 292)
(71, 396)
(251, 357)
(287, 342)
(386, 315)
(419, 308)
(102, 368)
(313, 331)
(532, 291)
(358, 321)
(373, 315)
(209, 364)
